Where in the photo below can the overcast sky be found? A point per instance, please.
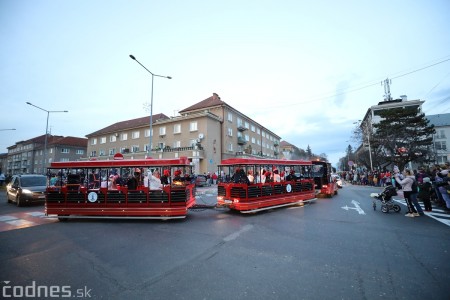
(304, 69)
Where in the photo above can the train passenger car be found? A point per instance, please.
(120, 188)
(251, 184)
(324, 183)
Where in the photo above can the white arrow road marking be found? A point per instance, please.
(357, 207)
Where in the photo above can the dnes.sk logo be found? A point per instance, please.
(38, 291)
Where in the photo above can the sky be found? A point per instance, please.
(306, 70)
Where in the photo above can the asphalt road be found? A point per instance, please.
(335, 248)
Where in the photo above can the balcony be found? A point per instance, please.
(276, 144)
(241, 127)
(241, 141)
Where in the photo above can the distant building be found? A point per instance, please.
(372, 116)
(27, 157)
(441, 139)
(206, 133)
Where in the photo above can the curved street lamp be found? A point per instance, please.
(44, 163)
(151, 102)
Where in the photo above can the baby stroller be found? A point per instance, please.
(386, 200)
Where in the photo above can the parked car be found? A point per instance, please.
(202, 180)
(26, 189)
(337, 179)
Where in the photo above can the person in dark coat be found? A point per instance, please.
(425, 193)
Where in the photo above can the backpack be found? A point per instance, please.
(414, 188)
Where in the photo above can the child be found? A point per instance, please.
(425, 193)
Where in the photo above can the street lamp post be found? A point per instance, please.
(44, 163)
(368, 141)
(151, 102)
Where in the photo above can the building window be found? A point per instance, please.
(94, 141)
(441, 145)
(192, 143)
(135, 148)
(79, 152)
(93, 154)
(162, 130)
(112, 138)
(246, 125)
(64, 159)
(177, 128)
(101, 152)
(440, 134)
(441, 159)
(230, 117)
(193, 126)
(253, 140)
(147, 132)
(257, 130)
(230, 131)
(177, 144)
(263, 134)
(103, 140)
(124, 136)
(135, 135)
(65, 150)
(230, 147)
(247, 138)
(112, 151)
(239, 122)
(253, 128)
(258, 142)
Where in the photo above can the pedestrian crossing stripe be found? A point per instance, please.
(436, 213)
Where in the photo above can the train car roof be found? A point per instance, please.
(181, 162)
(262, 161)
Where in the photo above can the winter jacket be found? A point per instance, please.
(406, 183)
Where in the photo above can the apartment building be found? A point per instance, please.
(29, 157)
(206, 133)
(441, 139)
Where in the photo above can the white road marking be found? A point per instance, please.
(236, 234)
(357, 207)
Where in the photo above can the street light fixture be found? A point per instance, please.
(151, 102)
(44, 163)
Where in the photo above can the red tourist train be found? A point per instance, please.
(120, 188)
(251, 185)
(163, 188)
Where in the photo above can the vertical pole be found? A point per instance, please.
(151, 121)
(44, 164)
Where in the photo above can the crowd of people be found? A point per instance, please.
(426, 184)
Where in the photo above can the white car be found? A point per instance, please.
(336, 178)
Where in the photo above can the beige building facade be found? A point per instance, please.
(206, 133)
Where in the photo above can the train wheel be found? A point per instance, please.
(62, 219)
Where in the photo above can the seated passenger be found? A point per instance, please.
(250, 176)
(276, 176)
(153, 181)
(132, 182)
(291, 176)
(178, 179)
(166, 177)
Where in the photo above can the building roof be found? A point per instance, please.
(439, 120)
(70, 141)
(55, 140)
(128, 124)
(284, 144)
(214, 100)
